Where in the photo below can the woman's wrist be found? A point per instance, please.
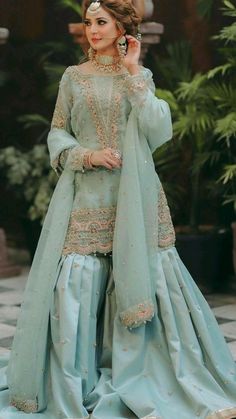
(88, 164)
(133, 69)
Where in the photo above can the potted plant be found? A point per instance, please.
(203, 110)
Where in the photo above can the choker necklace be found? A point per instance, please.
(105, 63)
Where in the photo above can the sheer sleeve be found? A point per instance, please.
(153, 114)
(64, 148)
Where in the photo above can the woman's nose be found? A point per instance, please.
(93, 28)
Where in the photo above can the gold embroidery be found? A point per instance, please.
(90, 231)
(75, 160)
(61, 114)
(104, 103)
(228, 413)
(59, 117)
(166, 232)
(136, 83)
(27, 406)
(137, 315)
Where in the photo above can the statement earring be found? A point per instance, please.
(122, 46)
(91, 54)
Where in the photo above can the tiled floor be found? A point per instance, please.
(11, 290)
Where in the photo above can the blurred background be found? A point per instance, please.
(190, 46)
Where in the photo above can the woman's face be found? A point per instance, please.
(102, 32)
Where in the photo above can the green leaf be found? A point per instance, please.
(226, 126)
(71, 4)
(190, 90)
(221, 69)
(32, 120)
(204, 7)
(228, 4)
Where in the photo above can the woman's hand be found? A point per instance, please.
(106, 158)
(131, 60)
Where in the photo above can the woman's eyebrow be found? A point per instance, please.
(97, 18)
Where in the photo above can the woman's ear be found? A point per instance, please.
(120, 28)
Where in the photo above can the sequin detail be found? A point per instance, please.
(27, 406)
(75, 159)
(138, 86)
(90, 231)
(166, 232)
(137, 315)
(229, 413)
(104, 104)
(61, 114)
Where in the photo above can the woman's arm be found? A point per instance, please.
(64, 148)
(153, 114)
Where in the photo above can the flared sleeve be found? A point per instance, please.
(153, 114)
(64, 148)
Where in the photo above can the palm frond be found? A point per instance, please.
(168, 97)
(32, 120)
(204, 7)
(224, 94)
(229, 9)
(221, 69)
(227, 34)
(71, 4)
(229, 173)
(226, 126)
(189, 90)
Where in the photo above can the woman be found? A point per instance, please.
(112, 324)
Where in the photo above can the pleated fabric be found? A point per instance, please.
(176, 365)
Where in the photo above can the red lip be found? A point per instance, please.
(96, 39)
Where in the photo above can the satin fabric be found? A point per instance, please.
(179, 362)
(151, 124)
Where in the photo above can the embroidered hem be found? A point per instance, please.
(27, 406)
(137, 315)
(229, 413)
(90, 231)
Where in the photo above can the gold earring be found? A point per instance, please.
(122, 46)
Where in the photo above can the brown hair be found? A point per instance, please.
(123, 12)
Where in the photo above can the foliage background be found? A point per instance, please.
(197, 168)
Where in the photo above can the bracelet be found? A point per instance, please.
(87, 160)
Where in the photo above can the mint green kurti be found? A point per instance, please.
(175, 364)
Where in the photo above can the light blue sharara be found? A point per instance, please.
(112, 324)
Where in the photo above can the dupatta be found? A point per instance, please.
(134, 248)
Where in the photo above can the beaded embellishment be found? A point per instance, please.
(27, 406)
(61, 116)
(137, 315)
(90, 231)
(104, 104)
(229, 413)
(166, 232)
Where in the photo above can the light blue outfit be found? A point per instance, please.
(112, 325)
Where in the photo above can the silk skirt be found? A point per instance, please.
(176, 365)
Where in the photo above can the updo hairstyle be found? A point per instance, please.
(122, 11)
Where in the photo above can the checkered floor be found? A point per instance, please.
(11, 290)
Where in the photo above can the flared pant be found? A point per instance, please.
(179, 362)
(177, 365)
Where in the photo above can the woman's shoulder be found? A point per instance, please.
(74, 72)
(82, 69)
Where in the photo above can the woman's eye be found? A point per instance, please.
(86, 23)
(102, 22)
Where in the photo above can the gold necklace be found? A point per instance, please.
(105, 63)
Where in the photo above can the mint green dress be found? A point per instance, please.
(176, 363)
